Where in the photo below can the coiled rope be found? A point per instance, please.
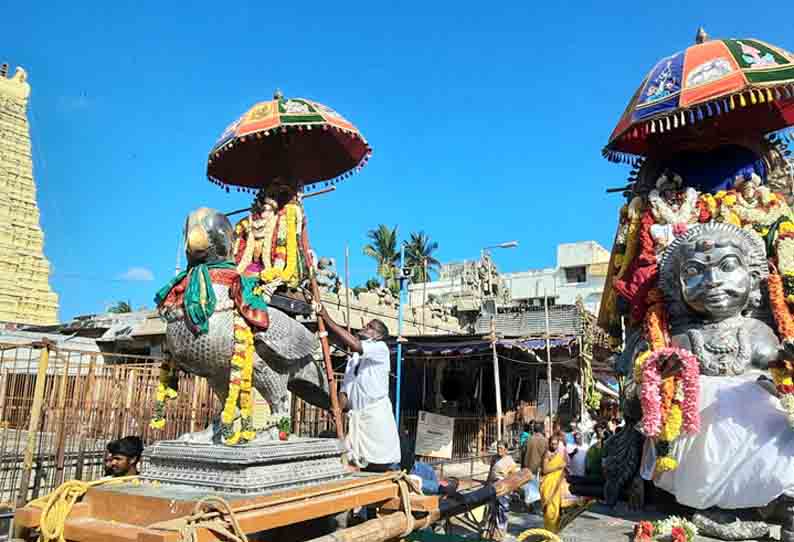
(547, 535)
(56, 506)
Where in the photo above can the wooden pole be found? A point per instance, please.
(329, 368)
(33, 426)
(347, 284)
(60, 439)
(548, 358)
(497, 380)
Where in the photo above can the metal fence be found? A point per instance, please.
(60, 407)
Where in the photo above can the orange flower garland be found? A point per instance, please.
(782, 370)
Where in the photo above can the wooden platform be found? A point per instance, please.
(128, 512)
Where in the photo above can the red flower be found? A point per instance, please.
(678, 534)
(643, 531)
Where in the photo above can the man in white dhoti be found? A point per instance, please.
(372, 439)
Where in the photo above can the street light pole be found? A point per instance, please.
(400, 337)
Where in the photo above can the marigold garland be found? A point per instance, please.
(166, 390)
(285, 251)
(239, 394)
(780, 311)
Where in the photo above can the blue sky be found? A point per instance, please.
(487, 120)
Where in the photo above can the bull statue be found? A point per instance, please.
(221, 327)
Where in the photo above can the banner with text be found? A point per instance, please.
(434, 434)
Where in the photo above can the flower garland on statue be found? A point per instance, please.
(166, 390)
(285, 247)
(782, 370)
(784, 250)
(665, 214)
(669, 406)
(240, 376)
(674, 528)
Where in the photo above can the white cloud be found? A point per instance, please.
(138, 274)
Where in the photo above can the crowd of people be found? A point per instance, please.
(556, 459)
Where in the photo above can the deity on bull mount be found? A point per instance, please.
(269, 241)
(751, 205)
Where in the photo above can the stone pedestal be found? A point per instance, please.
(255, 468)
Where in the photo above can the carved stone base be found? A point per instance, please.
(256, 468)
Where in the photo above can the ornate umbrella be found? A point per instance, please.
(714, 87)
(296, 139)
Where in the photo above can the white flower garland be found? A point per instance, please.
(664, 213)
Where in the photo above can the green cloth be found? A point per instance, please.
(199, 285)
(592, 461)
(249, 297)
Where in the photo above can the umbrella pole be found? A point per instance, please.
(329, 369)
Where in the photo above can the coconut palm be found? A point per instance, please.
(121, 307)
(383, 248)
(419, 257)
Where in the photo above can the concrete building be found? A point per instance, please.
(580, 271)
(25, 293)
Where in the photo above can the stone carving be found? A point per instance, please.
(25, 292)
(285, 349)
(709, 312)
(254, 468)
(712, 277)
(327, 279)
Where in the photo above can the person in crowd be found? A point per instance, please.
(577, 455)
(125, 456)
(106, 460)
(532, 460)
(524, 437)
(554, 491)
(372, 438)
(502, 466)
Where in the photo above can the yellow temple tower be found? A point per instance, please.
(25, 293)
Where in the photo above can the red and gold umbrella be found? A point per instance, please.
(713, 88)
(296, 139)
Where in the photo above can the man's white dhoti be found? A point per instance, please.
(372, 434)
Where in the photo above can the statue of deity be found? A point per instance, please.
(751, 205)
(742, 456)
(269, 241)
(673, 209)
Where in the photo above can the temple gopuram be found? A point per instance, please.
(25, 293)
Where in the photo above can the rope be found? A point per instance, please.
(406, 504)
(56, 506)
(547, 535)
(189, 533)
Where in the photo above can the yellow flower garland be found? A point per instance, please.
(164, 393)
(240, 379)
(672, 426)
(665, 464)
(288, 272)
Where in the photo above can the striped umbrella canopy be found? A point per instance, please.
(713, 89)
(292, 139)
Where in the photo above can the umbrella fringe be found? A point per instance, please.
(715, 107)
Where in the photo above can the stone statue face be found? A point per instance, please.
(715, 280)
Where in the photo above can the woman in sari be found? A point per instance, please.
(502, 467)
(554, 493)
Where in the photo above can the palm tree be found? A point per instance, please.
(384, 250)
(419, 257)
(121, 307)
